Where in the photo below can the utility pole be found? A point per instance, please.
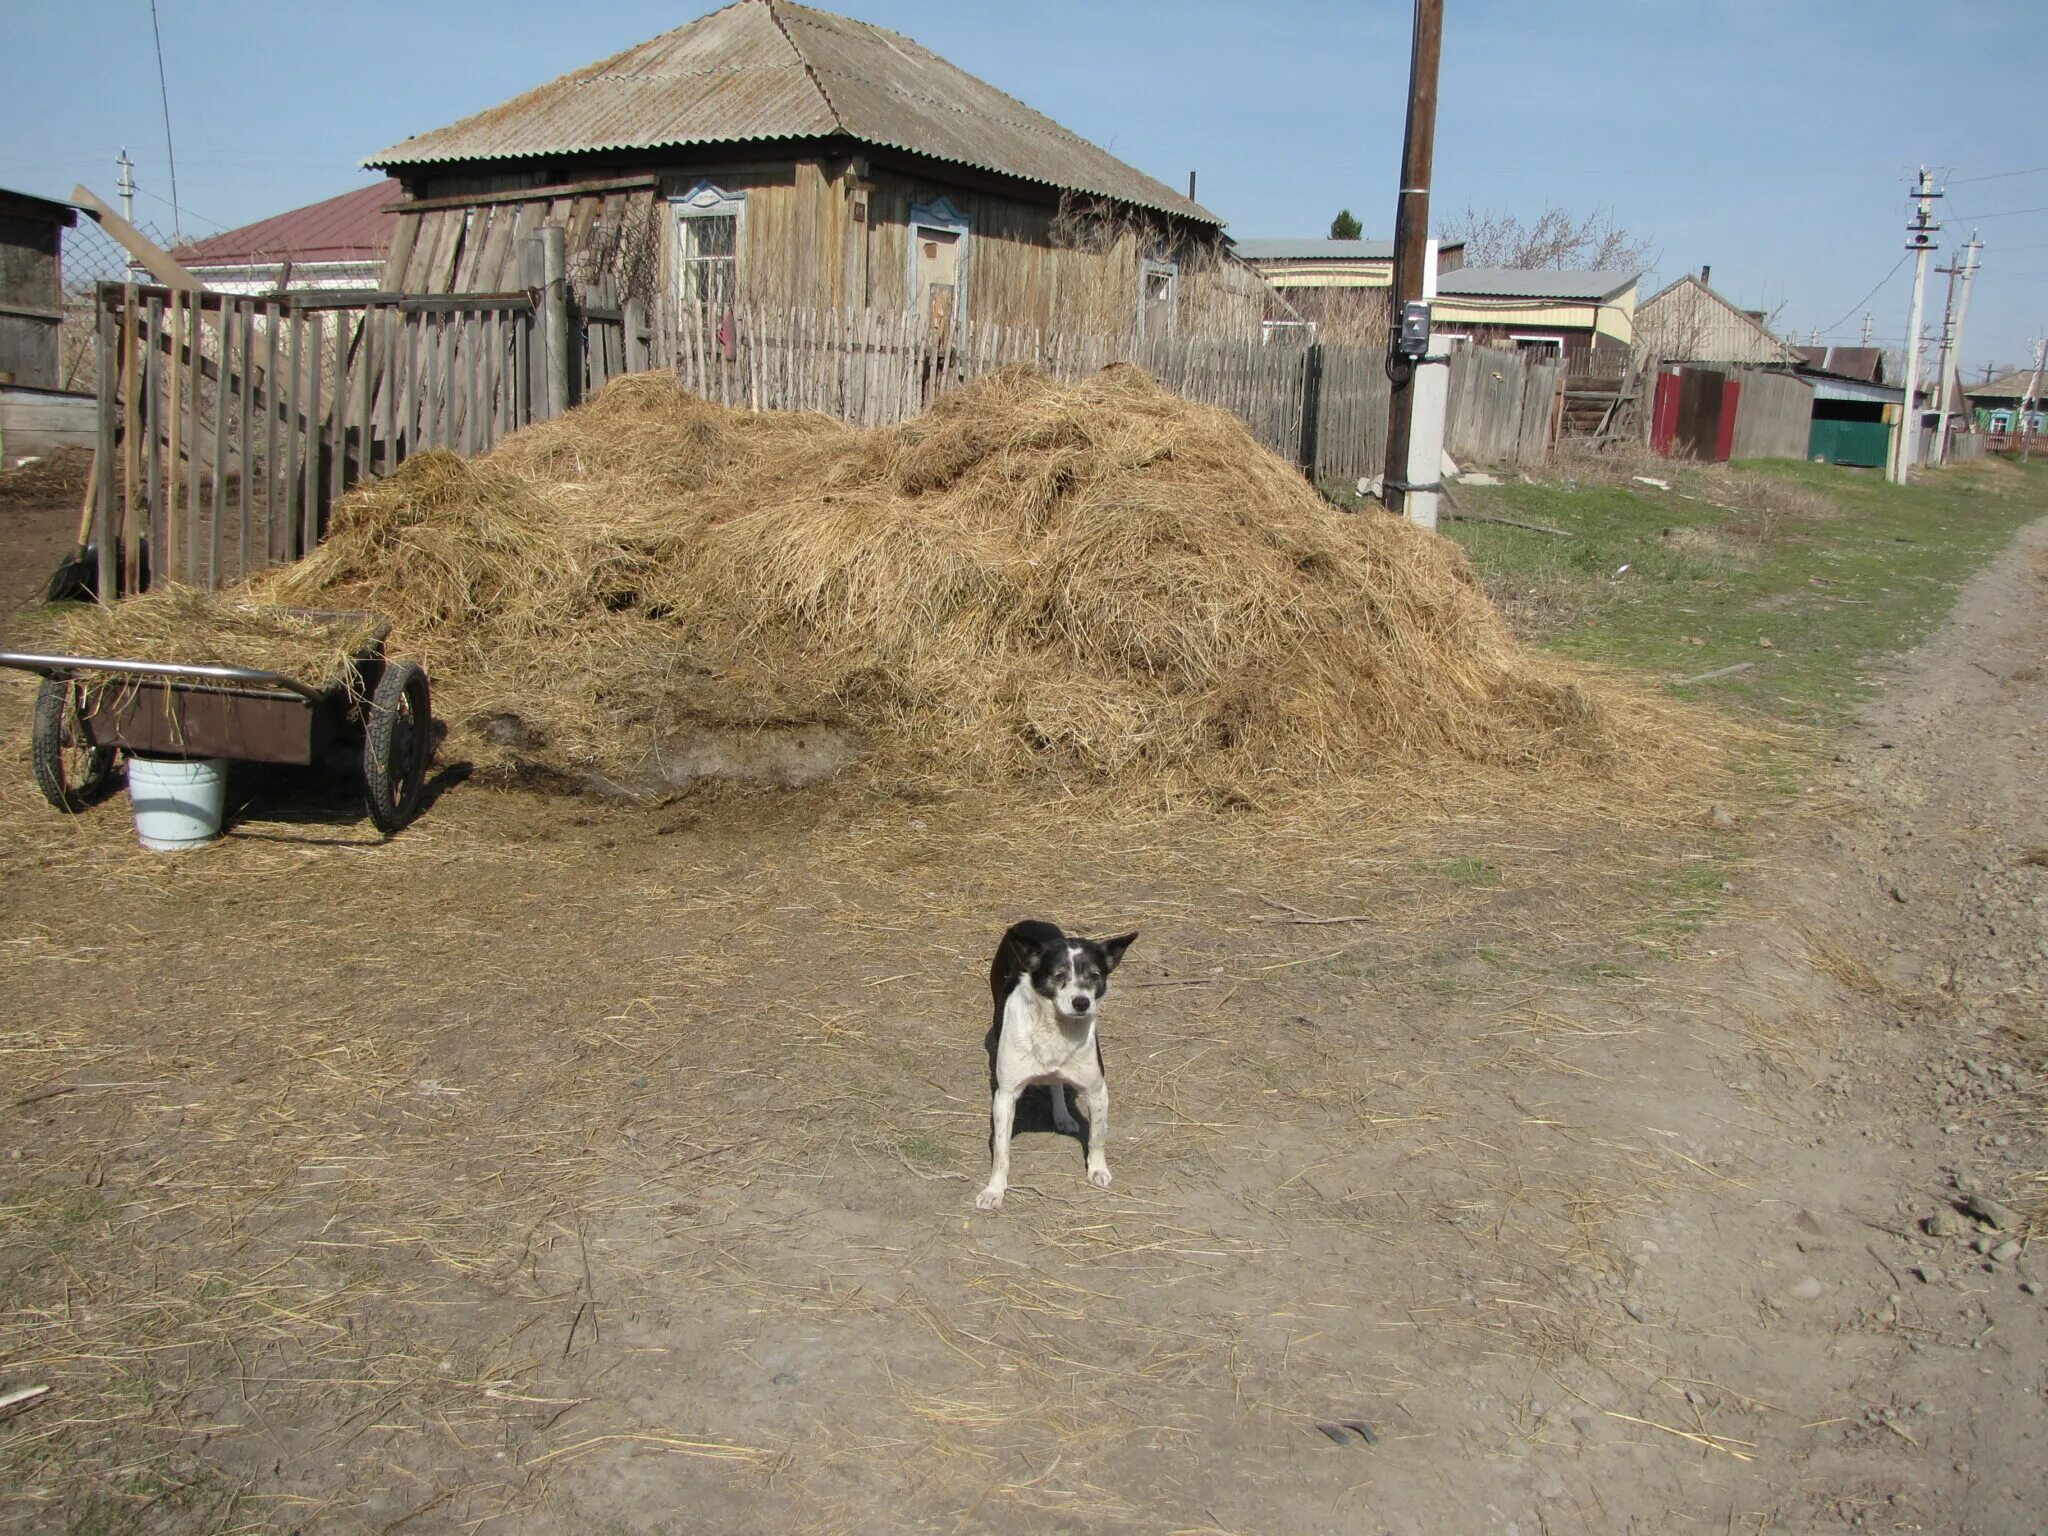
(126, 184)
(2027, 404)
(1411, 257)
(1952, 340)
(1920, 231)
(1866, 327)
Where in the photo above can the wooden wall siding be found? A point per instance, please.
(1773, 417)
(803, 247)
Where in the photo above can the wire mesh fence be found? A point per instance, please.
(91, 256)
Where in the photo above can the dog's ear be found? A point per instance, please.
(1113, 949)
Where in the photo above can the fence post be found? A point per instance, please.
(1311, 407)
(107, 371)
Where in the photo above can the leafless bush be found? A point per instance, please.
(1556, 239)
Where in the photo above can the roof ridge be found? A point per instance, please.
(810, 69)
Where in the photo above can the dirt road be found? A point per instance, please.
(561, 1166)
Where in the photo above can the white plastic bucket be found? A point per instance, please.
(178, 801)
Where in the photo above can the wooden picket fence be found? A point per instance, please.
(232, 423)
(1323, 407)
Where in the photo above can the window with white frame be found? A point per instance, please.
(1452, 341)
(1158, 296)
(708, 221)
(1542, 346)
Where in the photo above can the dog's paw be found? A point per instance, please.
(1066, 1125)
(991, 1199)
(1099, 1177)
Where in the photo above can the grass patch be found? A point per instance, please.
(1807, 573)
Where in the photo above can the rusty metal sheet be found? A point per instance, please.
(207, 722)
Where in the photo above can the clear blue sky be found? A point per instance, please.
(1763, 136)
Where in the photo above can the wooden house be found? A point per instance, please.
(1688, 322)
(1585, 319)
(778, 155)
(1338, 286)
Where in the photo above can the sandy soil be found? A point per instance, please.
(565, 1166)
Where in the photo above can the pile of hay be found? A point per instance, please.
(56, 479)
(188, 627)
(1099, 581)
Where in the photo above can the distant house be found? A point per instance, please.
(1688, 322)
(1995, 405)
(1586, 319)
(774, 154)
(1319, 280)
(341, 242)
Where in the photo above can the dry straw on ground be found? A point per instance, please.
(1098, 581)
(53, 479)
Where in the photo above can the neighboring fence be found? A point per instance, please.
(231, 423)
(1321, 406)
(1714, 414)
(1773, 415)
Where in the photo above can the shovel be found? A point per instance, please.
(76, 578)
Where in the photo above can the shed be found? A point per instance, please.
(776, 154)
(31, 287)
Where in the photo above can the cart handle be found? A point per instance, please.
(65, 666)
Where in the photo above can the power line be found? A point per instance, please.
(1870, 295)
(164, 90)
(1958, 181)
(2007, 213)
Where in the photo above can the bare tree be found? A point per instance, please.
(1556, 239)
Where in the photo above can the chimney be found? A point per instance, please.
(1191, 186)
(1705, 273)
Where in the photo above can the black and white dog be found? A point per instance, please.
(1048, 991)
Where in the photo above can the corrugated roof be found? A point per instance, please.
(1323, 250)
(1520, 283)
(767, 69)
(351, 227)
(1865, 363)
(1314, 250)
(2010, 385)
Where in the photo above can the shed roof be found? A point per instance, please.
(1324, 250)
(1865, 363)
(28, 205)
(351, 227)
(768, 69)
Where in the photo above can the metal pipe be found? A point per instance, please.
(64, 666)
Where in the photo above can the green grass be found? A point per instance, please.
(1809, 573)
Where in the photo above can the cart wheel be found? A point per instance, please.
(70, 771)
(398, 743)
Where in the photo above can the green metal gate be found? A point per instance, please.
(1864, 444)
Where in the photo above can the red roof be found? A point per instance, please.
(351, 227)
